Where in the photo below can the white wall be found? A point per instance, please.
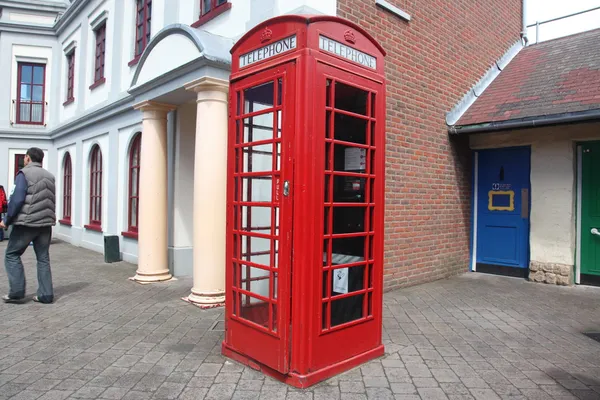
(553, 185)
(185, 141)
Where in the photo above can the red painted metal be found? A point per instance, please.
(67, 188)
(331, 105)
(95, 189)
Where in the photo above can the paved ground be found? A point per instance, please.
(474, 336)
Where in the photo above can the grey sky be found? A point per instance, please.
(541, 10)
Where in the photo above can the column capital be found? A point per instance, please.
(207, 83)
(148, 105)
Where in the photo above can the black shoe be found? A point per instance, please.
(7, 299)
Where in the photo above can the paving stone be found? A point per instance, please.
(352, 387)
(484, 394)
(193, 393)
(425, 382)
(351, 396)
(299, 396)
(325, 393)
(114, 393)
(403, 388)
(379, 394)
(220, 391)
(444, 375)
(250, 385)
(136, 395)
(246, 395)
(418, 370)
(169, 390)
(432, 393)
(28, 395)
(55, 395)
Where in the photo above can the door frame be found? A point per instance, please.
(579, 173)
(475, 208)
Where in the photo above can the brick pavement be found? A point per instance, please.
(470, 337)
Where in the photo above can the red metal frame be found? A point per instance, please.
(70, 78)
(67, 189)
(135, 152)
(100, 54)
(315, 350)
(30, 101)
(95, 189)
(143, 28)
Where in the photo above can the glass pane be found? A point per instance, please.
(37, 113)
(219, 2)
(37, 93)
(26, 74)
(134, 212)
(325, 284)
(350, 159)
(25, 92)
(348, 250)
(279, 90)
(275, 287)
(276, 256)
(134, 182)
(258, 158)
(349, 98)
(257, 189)
(38, 75)
(350, 129)
(347, 280)
(254, 310)
(346, 310)
(205, 6)
(256, 250)
(278, 133)
(255, 280)
(258, 128)
(24, 112)
(328, 93)
(256, 220)
(348, 219)
(349, 189)
(259, 97)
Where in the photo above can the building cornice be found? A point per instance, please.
(27, 29)
(73, 10)
(34, 5)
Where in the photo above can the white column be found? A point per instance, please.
(153, 264)
(210, 190)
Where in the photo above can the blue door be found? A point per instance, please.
(502, 217)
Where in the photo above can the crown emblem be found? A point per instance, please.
(266, 35)
(349, 36)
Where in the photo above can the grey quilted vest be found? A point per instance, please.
(39, 209)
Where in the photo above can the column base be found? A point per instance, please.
(160, 276)
(206, 299)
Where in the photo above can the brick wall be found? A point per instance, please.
(432, 61)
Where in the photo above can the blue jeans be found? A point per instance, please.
(18, 242)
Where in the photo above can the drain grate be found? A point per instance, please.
(593, 335)
(218, 326)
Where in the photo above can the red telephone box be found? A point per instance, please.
(305, 202)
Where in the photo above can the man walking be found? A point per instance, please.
(32, 212)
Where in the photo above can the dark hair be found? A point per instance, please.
(36, 154)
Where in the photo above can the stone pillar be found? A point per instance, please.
(210, 190)
(153, 264)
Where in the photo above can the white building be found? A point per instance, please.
(78, 78)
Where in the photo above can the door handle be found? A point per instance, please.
(286, 188)
(595, 231)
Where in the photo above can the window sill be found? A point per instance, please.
(97, 228)
(99, 82)
(135, 60)
(212, 14)
(66, 222)
(29, 124)
(130, 235)
(69, 101)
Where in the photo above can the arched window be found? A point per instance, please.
(134, 184)
(67, 189)
(95, 189)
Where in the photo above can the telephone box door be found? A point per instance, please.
(260, 216)
(351, 120)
